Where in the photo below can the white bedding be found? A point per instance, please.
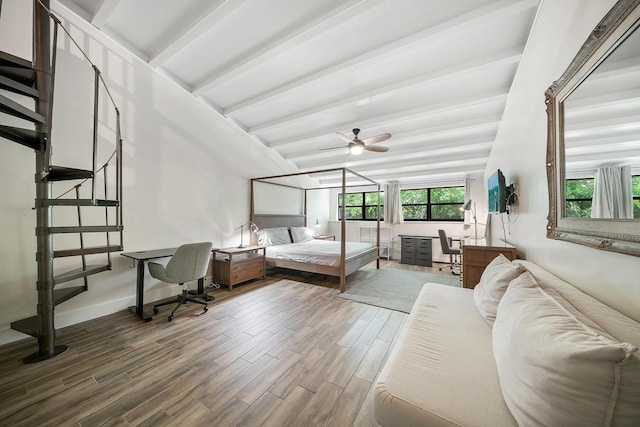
(320, 252)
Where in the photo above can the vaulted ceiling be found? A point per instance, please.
(433, 73)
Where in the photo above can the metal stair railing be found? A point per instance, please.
(44, 66)
(81, 236)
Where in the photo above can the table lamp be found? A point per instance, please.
(252, 227)
(468, 206)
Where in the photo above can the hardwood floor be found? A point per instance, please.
(272, 352)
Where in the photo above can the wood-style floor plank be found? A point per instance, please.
(285, 351)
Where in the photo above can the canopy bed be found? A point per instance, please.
(284, 227)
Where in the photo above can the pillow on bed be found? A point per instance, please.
(493, 284)
(301, 234)
(273, 236)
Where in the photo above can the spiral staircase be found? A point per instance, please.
(26, 111)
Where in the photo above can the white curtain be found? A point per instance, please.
(392, 204)
(612, 193)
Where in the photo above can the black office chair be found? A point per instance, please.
(454, 253)
(190, 262)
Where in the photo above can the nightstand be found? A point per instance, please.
(236, 265)
(325, 237)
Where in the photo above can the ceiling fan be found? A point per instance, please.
(357, 145)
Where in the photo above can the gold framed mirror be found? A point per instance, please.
(593, 138)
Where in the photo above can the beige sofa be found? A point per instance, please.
(443, 370)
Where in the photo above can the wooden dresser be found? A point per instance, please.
(477, 254)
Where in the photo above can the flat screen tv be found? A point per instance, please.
(497, 192)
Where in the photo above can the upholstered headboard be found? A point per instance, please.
(271, 220)
(276, 220)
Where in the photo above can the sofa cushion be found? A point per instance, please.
(493, 284)
(608, 319)
(441, 371)
(556, 367)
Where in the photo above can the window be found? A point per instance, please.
(433, 204)
(579, 197)
(422, 204)
(635, 185)
(361, 206)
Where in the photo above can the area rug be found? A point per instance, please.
(391, 288)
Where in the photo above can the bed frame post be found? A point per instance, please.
(378, 233)
(343, 251)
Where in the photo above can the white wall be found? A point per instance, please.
(520, 150)
(186, 178)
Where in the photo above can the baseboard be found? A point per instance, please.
(8, 335)
(83, 314)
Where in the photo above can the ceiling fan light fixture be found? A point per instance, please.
(356, 149)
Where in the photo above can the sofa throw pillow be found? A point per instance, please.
(273, 236)
(555, 370)
(493, 284)
(301, 234)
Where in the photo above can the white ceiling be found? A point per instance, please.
(292, 73)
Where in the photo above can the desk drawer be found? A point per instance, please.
(424, 244)
(407, 258)
(425, 262)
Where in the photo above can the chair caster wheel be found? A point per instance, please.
(205, 308)
(170, 318)
(155, 310)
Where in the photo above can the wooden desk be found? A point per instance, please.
(477, 254)
(141, 257)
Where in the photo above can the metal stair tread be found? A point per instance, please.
(17, 87)
(85, 229)
(62, 173)
(79, 273)
(27, 137)
(7, 59)
(86, 251)
(27, 326)
(80, 202)
(13, 108)
(65, 294)
(22, 75)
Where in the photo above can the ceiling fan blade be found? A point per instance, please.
(377, 138)
(332, 148)
(343, 136)
(377, 148)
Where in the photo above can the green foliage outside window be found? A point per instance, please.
(635, 184)
(445, 203)
(422, 204)
(359, 203)
(579, 197)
